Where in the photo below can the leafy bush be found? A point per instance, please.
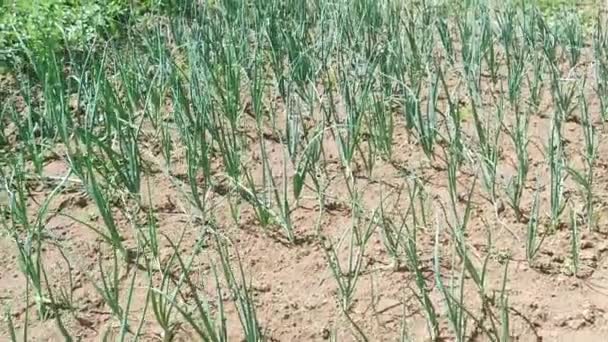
(36, 23)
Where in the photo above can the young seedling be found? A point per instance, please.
(585, 177)
(532, 233)
(574, 242)
(109, 290)
(600, 54)
(240, 291)
(393, 235)
(490, 153)
(30, 246)
(453, 294)
(572, 31)
(556, 166)
(347, 277)
(113, 236)
(516, 186)
(423, 291)
(163, 297)
(201, 317)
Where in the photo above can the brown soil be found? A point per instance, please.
(295, 293)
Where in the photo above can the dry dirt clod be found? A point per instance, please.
(87, 323)
(80, 201)
(576, 324)
(462, 197)
(589, 255)
(587, 244)
(558, 259)
(585, 271)
(325, 334)
(263, 288)
(589, 315)
(438, 166)
(500, 207)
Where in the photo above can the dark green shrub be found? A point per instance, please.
(34, 24)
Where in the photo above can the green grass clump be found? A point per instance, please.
(554, 10)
